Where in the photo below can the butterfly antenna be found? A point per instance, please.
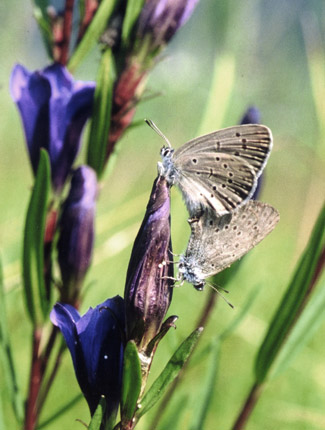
(217, 290)
(156, 129)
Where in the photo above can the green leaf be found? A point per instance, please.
(169, 373)
(43, 22)
(7, 358)
(131, 381)
(291, 304)
(132, 12)
(174, 413)
(62, 410)
(2, 423)
(93, 32)
(33, 252)
(97, 418)
(241, 314)
(306, 327)
(100, 123)
(203, 401)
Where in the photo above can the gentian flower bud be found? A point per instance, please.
(54, 108)
(95, 341)
(160, 19)
(148, 288)
(253, 116)
(75, 244)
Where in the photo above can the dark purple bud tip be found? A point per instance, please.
(54, 108)
(76, 238)
(148, 289)
(95, 341)
(251, 116)
(160, 20)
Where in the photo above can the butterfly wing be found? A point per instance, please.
(249, 142)
(220, 182)
(216, 242)
(220, 170)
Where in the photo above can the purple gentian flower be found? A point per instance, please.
(95, 341)
(148, 288)
(76, 226)
(253, 116)
(160, 19)
(54, 108)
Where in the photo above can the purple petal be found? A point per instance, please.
(32, 92)
(95, 341)
(162, 18)
(76, 239)
(65, 317)
(251, 116)
(54, 109)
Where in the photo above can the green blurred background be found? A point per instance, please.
(230, 55)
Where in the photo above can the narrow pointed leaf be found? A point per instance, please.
(131, 381)
(36, 299)
(241, 314)
(100, 123)
(2, 423)
(45, 29)
(174, 413)
(309, 322)
(62, 410)
(7, 359)
(97, 418)
(169, 373)
(290, 306)
(94, 31)
(133, 9)
(205, 397)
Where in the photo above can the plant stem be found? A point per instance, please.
(202, 321)
(50, 380)
(31, 415)
(66, 32)
(91, 7)
(248, 407)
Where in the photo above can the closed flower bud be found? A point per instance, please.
(54, 108)
(251, 116)
(160, 19)
(148, 289)
(76, 227)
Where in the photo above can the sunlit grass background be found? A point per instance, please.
(229, 56)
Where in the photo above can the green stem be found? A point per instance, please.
(248, 407)
(202, 321)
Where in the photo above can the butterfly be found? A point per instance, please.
(217, 242)
(217, 171)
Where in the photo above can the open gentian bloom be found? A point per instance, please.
(54, 108)
(148, 288)
(95, 341)
(76, 238)
(160, 19)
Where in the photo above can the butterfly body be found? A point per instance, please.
(216, 242)
(218, 171)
